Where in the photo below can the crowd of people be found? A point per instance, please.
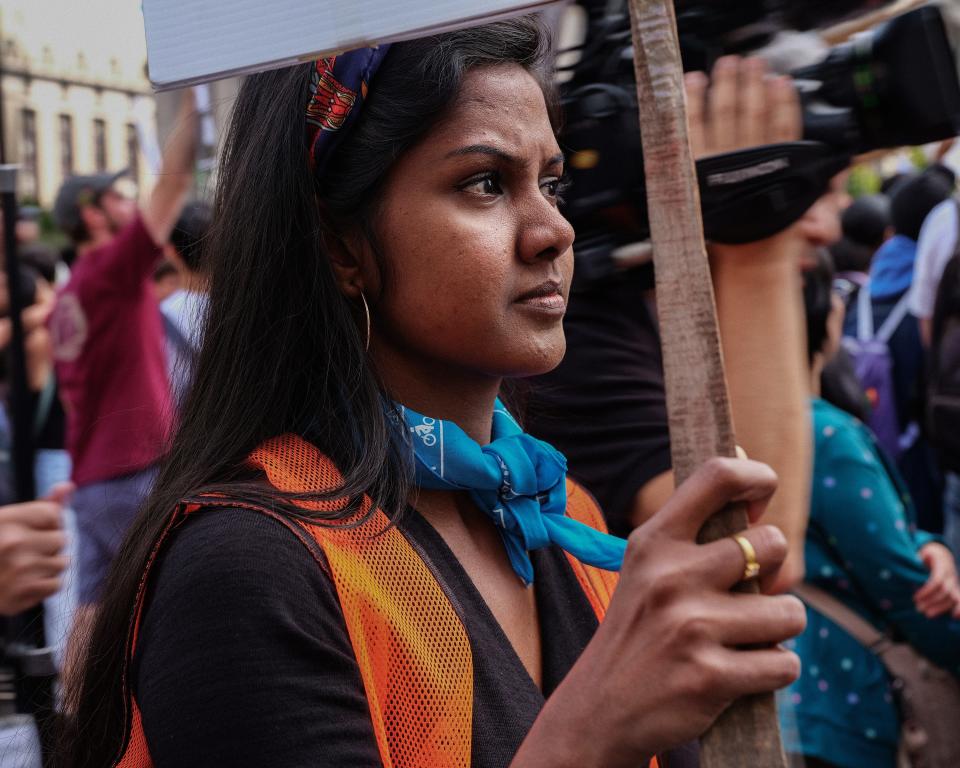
(309, 523)
(107, 361)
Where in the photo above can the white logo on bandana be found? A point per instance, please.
(425, 431)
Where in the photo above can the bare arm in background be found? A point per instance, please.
(760, 308)
(176, 172)
(169, 195)
(759, 304)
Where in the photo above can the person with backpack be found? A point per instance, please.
(884, 340)
(863, 549)
(866, 226)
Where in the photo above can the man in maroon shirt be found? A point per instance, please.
(108, 346)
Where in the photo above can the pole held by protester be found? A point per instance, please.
(701, 424)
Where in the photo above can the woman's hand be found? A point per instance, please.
(676, 646)
(36, 336)
(941, 593)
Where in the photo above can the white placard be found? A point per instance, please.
(196, 41)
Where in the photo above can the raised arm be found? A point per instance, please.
(759, 296)
(176, 172)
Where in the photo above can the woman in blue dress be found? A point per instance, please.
(863, 548)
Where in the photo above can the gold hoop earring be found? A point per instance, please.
(366, 312)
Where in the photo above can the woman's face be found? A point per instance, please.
(478, 258)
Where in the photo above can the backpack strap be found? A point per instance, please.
(864, 314)
(865, 317)
(890, 325)
(858, 628)
(178, 338)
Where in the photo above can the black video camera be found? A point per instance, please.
(892, 87)
(896, 85)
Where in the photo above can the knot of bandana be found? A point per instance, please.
(517, 480)
(338, 87)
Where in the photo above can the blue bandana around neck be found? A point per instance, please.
(517, 480)
(891, 271)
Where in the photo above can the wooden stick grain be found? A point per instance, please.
(841, 33)
(701, 425)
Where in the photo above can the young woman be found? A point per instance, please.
(863, 548)
(332, 571)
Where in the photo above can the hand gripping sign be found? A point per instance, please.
(190, 42)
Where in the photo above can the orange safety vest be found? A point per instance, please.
(411, 647)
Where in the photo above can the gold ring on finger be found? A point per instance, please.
(751, 567)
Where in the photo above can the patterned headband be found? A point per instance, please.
(338, 85)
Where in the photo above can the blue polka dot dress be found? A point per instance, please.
(861, 547)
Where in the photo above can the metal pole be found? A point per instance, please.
(21, 417)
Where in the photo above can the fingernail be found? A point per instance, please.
(726, 63)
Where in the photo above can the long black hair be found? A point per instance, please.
(283, 351)
(818, 302)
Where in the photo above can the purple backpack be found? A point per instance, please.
(874, 366)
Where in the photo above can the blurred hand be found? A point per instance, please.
(743, 107)
(38, 344)
(37, 338)
(941, 593)
(31, 542)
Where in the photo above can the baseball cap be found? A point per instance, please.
(78, 191)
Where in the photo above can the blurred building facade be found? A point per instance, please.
(74, 87)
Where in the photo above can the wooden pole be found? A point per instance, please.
(701, 425)
(840, 33)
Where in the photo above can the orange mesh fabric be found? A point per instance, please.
(137, 754)
(411, 647)
(598, 585)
